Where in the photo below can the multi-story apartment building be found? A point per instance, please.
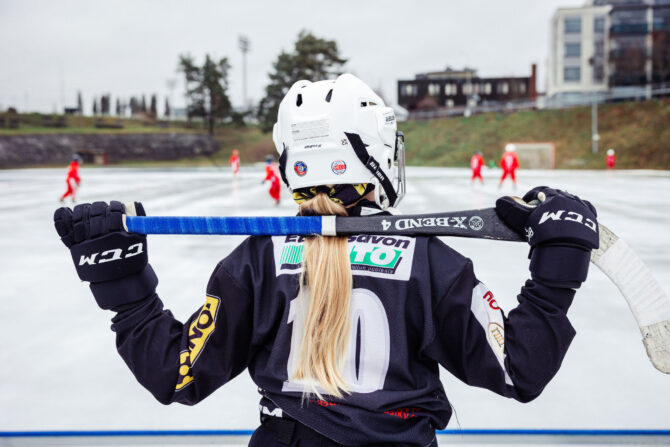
(608, 50)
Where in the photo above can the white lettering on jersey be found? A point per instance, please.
(277, 412)
(370, 255)
(367, 313)
(487, 312)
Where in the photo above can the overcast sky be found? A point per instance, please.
(50, 49)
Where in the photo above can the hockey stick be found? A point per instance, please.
(646, 299)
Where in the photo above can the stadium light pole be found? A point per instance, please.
(594, 113)
(244, 48)
(171, 84)
(594, 124)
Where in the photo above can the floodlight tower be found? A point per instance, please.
(244, 48)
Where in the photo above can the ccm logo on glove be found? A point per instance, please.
(114, 254)
(570, 216)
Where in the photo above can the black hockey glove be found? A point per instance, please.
(113, 260)
(561, 229)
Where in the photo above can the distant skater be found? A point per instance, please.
(610, 159)
(273, 178)
(235, 161)
(476, 163)
(509, 163)
(72, 180)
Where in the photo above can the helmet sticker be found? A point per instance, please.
(338, 167)
(300, 168)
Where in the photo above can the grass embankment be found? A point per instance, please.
(638, 131)
(33, 124)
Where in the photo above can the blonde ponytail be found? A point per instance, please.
(326, 273)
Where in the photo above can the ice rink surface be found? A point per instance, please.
(61, 370)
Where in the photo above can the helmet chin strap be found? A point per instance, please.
(380, 178)
(383, 203)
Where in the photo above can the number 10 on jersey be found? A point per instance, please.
(368, 352)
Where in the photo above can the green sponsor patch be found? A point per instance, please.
(374, 256)
(291, 254)
(360, 255)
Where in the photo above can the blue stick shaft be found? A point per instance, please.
(272, 226)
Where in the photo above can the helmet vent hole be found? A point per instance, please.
(298, 101)
(329, 96)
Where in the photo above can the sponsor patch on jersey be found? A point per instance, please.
(370, 255)
(487, 312)
(338, 167)
(198, 334)
(300, 168)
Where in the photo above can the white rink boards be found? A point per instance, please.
(61, 371)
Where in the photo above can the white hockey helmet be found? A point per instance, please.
(510, 147)
(339, 132)
(610, 151)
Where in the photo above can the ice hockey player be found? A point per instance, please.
(72, 180)
(343, 335)
(509, 163)
(610, 159)
(272, 176)
(235, 161)
(476, 163)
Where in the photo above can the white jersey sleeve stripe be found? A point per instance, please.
(485, 309)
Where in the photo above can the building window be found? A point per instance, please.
(449, 103)
(571, 74)
(573, 50)
(572, 25)
(522, 88)
(599, 48)
(503, 88)
(467, 88)
(409, 90)
(433, 89)
(598, 73)
(450, 89)
(487, 88)
(599, 25)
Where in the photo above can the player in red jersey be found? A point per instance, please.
(273, 178)
(72, 180)
(509, 163)
(476, 163)
(610, 160)
(235, 161)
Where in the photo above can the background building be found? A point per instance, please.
(460, 90)
(609, 50)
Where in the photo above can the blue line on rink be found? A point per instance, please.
(475, 432)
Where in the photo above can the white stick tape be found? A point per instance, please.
(644, 294)
(328, 226)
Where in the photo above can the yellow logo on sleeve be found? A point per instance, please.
(198, 334)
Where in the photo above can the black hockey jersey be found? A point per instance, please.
(416, 304)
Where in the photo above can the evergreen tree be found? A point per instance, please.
(166, 111)
(95, 106)
(152, 107)
(313, 59)
(104, 104)
(80, 103)
(143, 105)
(206, 88)
(133, 105)
(118, 107)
